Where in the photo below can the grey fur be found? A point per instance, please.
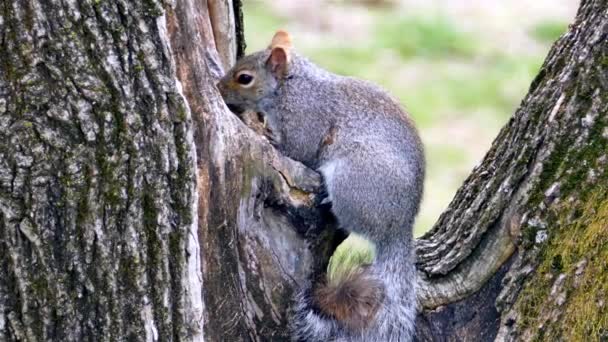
(373, 170)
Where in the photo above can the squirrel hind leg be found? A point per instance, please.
(353, 301)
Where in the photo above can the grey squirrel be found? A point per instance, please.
(372, 164)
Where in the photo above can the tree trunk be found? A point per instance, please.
(118, 160)
(98, 227)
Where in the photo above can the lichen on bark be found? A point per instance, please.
(97, 176)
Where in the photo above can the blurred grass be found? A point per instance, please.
(548, 30)
(260, 23)
(423, 36)
(459, 89)
(349, 257)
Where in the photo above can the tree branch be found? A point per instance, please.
(257, 213)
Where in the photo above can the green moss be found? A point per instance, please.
(350, 255)
(40, 286)
(83, 210)
(129, 269)
(529, 235)
(176, 248)
(132, 167)
(573, 160)
(556, 263)
(10, 54)
(154, 263)
(111, 187)
(581, 317)
(150, 211)
(249, 167)
(184, 175)
(138, 67)
(152, 8)
(42, 293)
(182, 114)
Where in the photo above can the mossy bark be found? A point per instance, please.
(97, 176)
(118, 160)
(538, 200)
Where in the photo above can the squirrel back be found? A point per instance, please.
(372, 163)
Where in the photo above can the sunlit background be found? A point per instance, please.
(460, 67)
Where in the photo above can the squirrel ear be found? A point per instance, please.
(281, 38)
(279, 55)
(278, 61)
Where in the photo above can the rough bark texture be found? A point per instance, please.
(540, 193)
(97, 178)
(252, 253)
(118, 158)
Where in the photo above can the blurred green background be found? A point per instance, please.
(460, 67)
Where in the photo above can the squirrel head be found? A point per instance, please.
(256, 76)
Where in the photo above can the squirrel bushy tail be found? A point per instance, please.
(372, 303)
(375, 193)
(350, 292)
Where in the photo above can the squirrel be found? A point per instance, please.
(371, 160)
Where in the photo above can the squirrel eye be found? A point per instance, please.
(244, 79)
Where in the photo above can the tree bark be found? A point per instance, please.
(520, 253)
(98, 227)
(133, 205)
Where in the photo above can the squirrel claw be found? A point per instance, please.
(323, 202)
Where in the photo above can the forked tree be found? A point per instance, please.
(135, 206)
